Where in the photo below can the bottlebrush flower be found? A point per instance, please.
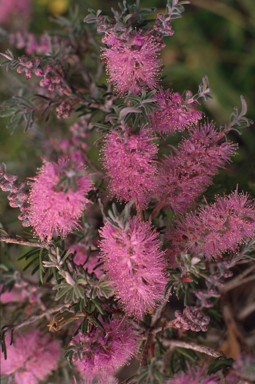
(129, 161)
(175, 114)
(57, 198)
(195, 375)
(135, 265)
(31, 357)
(216, 228)
(131, 60)
(189, 170)
(101, 355)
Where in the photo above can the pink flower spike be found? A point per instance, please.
(187, 172)
(129, 160)
(31, 357)
(131, 60)
(135, 265)
(216, 228)
(101, 354)
(57, 198)
(175, 114)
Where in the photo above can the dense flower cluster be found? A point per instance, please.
(175, 114)
(52, 80)
(131, 60)
(33, 44)
(193, 319)
(129, 161)
(187, 172)
(31, 357)
(135, 265)
(98, 355)
(216, 228)
(57, 198)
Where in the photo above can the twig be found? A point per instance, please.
(139, 210)
(158, 207)
(25, 242)
(144, 357)
(246, 312)
(34, 318)
(166, 359)
(160, 309)
(195, 347)
(230, 322)
(239, 280)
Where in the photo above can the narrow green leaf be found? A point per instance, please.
(61, 293)
(41, 270)
(30, 263)
(98, 306)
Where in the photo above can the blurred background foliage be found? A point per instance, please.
(214, 38)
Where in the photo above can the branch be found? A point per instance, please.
(246, 312)
(144, 357)
(34, 318)
(158, 207)
(160, 309)
(25, 242)
(239, 280)
(195, 347)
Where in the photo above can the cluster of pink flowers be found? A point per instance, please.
(131, 59)
(193, 319)
(17, 196)
(31, 357)
(98, 355)
(135, 265)
(187, 172)
(176, 114)
(216, 228)
(129, 161)
(39, 45)
(76, 147)
(57, 198)
(52, 76)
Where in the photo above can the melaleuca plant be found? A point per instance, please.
(127, 258)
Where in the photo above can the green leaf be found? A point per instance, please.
(218, 364)
(41, 270)
(96, 322)
(97, 304)
(29, 254)
(35, 270)
(68, 295)
(61, 293)
(187, 353)
(167, 287)
(30, 263)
